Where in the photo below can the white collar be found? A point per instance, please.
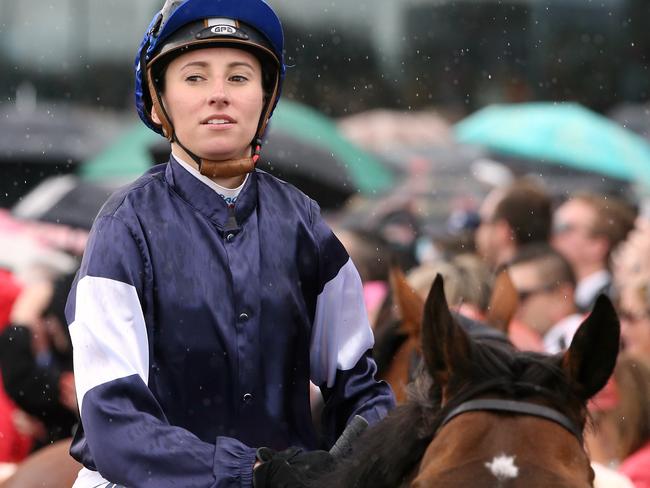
(563, 331)
(587, 288)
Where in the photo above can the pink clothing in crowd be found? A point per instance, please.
(637, 467)
(14, 446)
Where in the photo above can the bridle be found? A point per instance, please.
(517, 407)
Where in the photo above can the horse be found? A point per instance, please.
(398, 348)
(484, 414)
(49, 467)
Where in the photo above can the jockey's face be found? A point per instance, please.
(214, 99)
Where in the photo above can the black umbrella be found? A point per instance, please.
(65, 200)
(312, 169)
(43, 141)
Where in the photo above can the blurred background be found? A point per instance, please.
(398, 116)
(66, 94)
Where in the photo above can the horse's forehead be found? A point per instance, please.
(496, 448)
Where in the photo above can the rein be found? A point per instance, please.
(513, 406)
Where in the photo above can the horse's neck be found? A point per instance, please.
(513, 451)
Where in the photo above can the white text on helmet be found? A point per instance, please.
(223, 29)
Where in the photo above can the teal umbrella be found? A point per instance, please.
(559, 133)
(126, 158)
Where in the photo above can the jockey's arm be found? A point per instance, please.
(341, 342)
(124, 433)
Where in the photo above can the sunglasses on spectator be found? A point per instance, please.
(526, 294)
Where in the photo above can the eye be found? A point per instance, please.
(238, 78)
(194, 78)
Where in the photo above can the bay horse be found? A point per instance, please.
(49, 467)
(483, 414)
(398, 351)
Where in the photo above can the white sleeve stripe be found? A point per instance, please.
(108, 334)
(341, 332)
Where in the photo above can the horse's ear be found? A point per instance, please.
(590, 360)
(409, 303)
(445, 346)
(503, 303)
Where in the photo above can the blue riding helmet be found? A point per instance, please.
(182, 25)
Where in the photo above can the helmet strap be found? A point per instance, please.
(159, 108)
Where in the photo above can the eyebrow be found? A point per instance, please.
(203, 64)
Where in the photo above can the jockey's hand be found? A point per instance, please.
(291, 468)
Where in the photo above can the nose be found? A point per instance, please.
(218, 93)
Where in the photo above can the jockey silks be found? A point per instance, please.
(196, 331)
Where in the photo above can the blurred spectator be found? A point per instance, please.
(634, 313)
(367, 250)
(9, 291)
(36, 357)
(512, 216)
(457, 237)
(400, 229)
(546, 284)
(370, 255)
(586, 229)
(393, 220)
(631, 259)
(601, 439)
(15, 443)
(632, 417)
(605, 477)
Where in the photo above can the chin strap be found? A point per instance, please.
(230, 167)
(226, 168)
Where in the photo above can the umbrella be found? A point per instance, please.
(23, 246)
(303, 144)
(46, 140)
(65, 200)
(126, 158)
(564, 134)
(380, 129)
(311, 168)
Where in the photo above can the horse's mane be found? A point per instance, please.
(387, 454)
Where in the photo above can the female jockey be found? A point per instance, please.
(210, 292)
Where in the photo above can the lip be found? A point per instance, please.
(228, 118)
